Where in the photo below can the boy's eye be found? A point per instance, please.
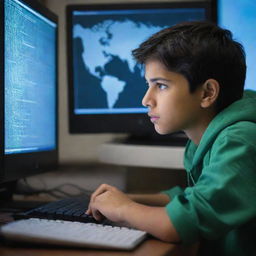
(162, 86)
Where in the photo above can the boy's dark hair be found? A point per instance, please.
(199, 51)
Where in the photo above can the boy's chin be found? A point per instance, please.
(160, 132)
(164, 132)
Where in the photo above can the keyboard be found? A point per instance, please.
(72, 234)
(72, 209)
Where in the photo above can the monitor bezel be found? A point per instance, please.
(16, 166)
(114, 123)
(1, 90)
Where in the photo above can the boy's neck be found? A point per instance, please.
(196, 133)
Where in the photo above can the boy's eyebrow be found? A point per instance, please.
(152, 80)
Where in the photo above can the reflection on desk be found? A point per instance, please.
(150, 247)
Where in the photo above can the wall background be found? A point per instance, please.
(75, 148)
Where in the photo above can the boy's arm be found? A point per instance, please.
(150, 199)
(109, 202)
(153, 220)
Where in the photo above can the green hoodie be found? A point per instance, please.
(218, 208)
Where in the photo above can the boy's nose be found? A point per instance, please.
(147, 99)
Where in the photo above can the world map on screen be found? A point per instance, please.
(106, 55)
(106, 78)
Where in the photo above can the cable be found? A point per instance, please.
(57, 192)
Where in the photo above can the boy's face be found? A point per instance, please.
(171, 106)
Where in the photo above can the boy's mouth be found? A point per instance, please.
(153, 118)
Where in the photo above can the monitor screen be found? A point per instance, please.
(106, 85)
(29, 89)
(239, 16)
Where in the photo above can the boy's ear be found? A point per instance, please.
(210, 93)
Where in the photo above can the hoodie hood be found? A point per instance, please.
(241, 110)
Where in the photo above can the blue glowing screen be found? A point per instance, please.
(239, 16)
(30, 80)
(106, 78)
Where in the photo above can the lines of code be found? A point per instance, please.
(30, 80)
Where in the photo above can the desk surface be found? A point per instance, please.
(150, 247)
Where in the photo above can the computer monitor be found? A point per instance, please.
(106, 86)
(240, 17)
(29, 134)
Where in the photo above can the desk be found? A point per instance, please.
(149, 168)
(169, 157)
(150, 247)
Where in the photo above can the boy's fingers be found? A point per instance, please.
(97, 215)
(101, 189)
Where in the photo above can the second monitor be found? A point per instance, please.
(106, 86)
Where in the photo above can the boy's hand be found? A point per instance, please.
(109, 202)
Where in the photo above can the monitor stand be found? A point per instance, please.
(7, 202)
(6, 191)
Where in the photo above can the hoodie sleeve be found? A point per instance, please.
(223, 197)
(171, 193)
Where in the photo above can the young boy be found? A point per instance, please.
(195, 73)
